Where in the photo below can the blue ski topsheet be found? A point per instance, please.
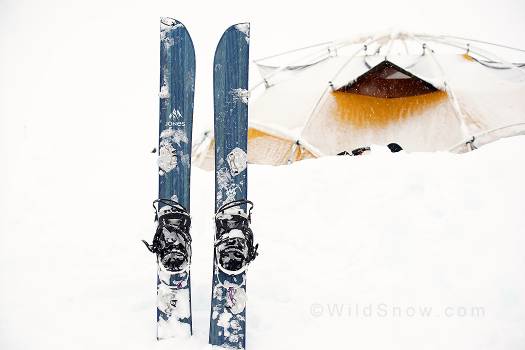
(177, 84)
(230, 83)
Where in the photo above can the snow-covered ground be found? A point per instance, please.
(354, 251)
(385, 251)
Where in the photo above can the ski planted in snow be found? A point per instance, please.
(234, 247)
(172, 240)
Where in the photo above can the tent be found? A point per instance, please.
(426, 93)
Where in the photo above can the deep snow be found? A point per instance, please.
(385, 234)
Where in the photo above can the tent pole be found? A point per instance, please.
(292, 152)
(481, 42)
(479, 52)
(317, 54)
(389, 44)
(292, 51)
(452, 96)
(518, 127)
(330, 82)
(405, 45)
(443, 42)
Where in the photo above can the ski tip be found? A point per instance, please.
(169, 22)
(171, 25)
(239, 30)
(243, 28)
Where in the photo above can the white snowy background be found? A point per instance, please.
(387, 235)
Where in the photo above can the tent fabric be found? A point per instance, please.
(422, 123)
(430, 102)
(263, 148)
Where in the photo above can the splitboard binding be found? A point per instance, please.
(172, 240)
(234, 245)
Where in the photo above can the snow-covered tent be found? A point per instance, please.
(426, 93)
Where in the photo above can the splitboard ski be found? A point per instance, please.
(172, 240)
(234, 247)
